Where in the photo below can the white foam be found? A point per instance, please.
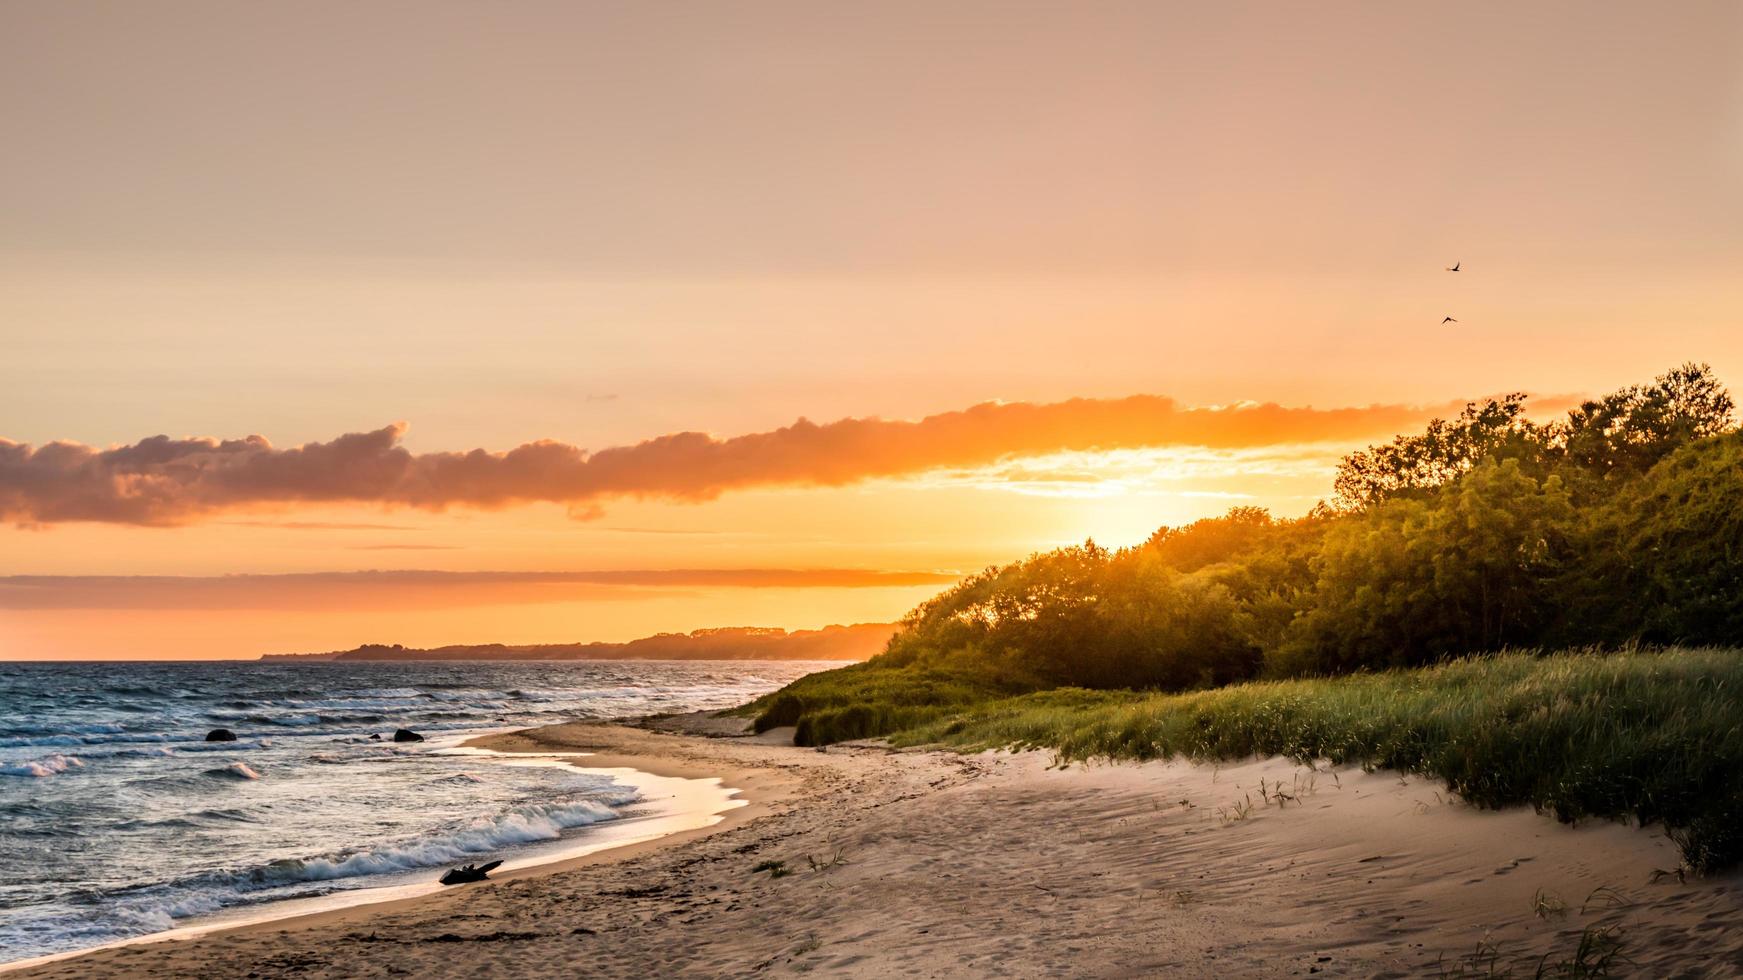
(39, 768)
(219, 746)
(528, 824)
(235, 770)
(15, 741)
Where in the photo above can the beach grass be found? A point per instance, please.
(868, 700)
(1650, 736)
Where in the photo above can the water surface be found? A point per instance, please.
(117, 819)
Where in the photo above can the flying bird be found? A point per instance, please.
(1446, 320)
(1454, 267)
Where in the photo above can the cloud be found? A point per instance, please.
(377, 590)
(164, 481)
(322, 526)
(405, 547)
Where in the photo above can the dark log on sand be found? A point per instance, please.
(460, 876)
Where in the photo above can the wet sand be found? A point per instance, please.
(925, 864)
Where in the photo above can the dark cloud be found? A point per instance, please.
(162, 481)
(323, 526)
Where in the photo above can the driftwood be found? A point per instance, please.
(460, 876)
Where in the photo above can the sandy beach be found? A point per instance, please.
(929, 864)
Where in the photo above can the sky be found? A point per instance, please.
(628, 318)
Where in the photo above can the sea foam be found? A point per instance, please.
(39, 768)
(235, 770)
(530, 824)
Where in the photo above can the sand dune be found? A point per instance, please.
(997, 865)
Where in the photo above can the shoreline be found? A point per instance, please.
(935, 864)
(746, 795)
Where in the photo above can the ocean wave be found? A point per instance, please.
(237, 816)
(66, 738)
(235, 770)
(108, 739)
(26, 741)
(151, 753)
(66, 728)
(51, 765)
(73, 930)
(529, 824)
(222, 746)
(139, 918)
(258, 718)
(142, 824)
(390, 692)
(470, 695)
(341, 703)
(150, 853)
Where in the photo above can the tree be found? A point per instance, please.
(1663, 562)
(1212, 540)
(1411, 581)
(1414, 465)
(1626, 432)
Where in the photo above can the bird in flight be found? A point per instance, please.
(1446, 320)
(1454, 267)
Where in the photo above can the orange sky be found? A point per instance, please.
(643, 241)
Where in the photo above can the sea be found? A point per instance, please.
(118, 819)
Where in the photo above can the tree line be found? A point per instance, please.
(1621, 523)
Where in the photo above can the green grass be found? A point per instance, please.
(776, 869)
(1654, 737)
(869, 700)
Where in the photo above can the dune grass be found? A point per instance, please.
(1656, 737)
(868, 700)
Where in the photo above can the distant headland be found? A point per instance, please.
(857, 642)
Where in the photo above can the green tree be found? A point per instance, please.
(1663, 560)
(1414, 465)
(1625, 433)
(1412, 581)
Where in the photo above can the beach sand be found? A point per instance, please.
(925, 864)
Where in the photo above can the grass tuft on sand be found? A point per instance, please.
(1655, 737)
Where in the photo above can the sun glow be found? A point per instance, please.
(1289, 478)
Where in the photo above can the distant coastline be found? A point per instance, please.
(856, 642)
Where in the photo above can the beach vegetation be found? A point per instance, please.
(1599, 954)
(1645, 736)
(835, 860)
(1620, 526)
(776, 869)
(1484, 961)
(1407, 622)
(1548, 905)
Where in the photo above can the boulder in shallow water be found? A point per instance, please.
(406, 735)
(220, 735)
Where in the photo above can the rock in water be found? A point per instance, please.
(460, 876)
(220, 735)
(402, 735)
